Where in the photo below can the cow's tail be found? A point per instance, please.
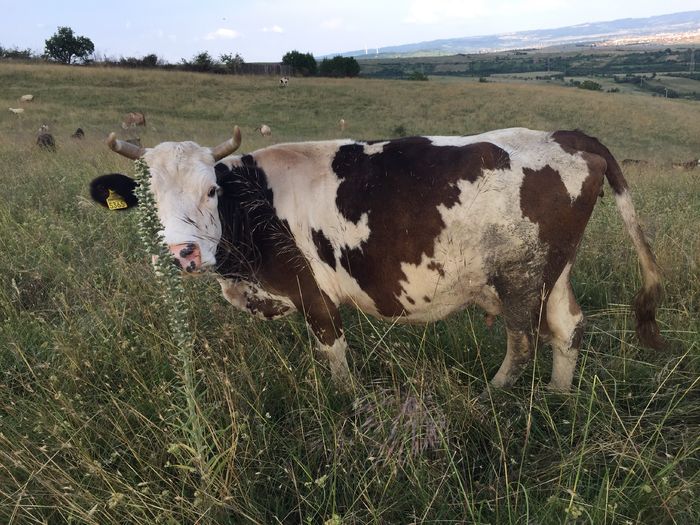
(649, 297)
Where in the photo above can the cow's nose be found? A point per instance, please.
(187, 256)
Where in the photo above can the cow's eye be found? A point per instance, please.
(212, 192)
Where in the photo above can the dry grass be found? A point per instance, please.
(89, 426)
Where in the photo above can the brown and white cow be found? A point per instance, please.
(410, 229)
(133, 119)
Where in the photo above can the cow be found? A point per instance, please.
(411, 230)
(26, 98)
(284, 82)
(133, 119)
(79, 134)
(342, 124)
(46, 141)
(687, 165)
(16, 111)
(264, 130)
(634, 162)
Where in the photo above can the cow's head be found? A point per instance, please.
(183, 183)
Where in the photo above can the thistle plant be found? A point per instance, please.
(188, 421)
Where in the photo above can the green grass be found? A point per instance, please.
(91, 426)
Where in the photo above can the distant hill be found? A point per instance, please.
(662, 29)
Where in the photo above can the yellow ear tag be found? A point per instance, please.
(115, 201)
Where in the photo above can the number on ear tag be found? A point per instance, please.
(115, 201)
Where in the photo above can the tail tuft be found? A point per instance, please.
(646, 302)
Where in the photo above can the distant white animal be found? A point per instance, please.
(17, 111)
(26, 98)
(284, 81)
(264, 130)
(342, 124)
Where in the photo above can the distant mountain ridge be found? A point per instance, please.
(625, 29)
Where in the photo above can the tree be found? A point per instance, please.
(63, 46)
(339, 66)
(232, 63)
(303, 63)
(200, 62)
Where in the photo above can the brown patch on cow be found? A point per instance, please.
(323, 247)
(410, 300)
(574, 142)
(545, 201)
(268, 308)
(400, 190)
(426, 299)
(436, 266)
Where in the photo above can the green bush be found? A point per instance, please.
(303, 63)
(339, 66)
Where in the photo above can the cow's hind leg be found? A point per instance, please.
(565, 321)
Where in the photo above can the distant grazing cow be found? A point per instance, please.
(17, 111)
(410, 230)
(264, 130)
(284, 81)
(688, 165)
(342, 124)
(44, 139)
(133, 119)
(26, 98)
(634, 162)
(79, 134)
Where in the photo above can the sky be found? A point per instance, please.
(263, 30)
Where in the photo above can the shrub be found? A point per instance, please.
(339, 66)
(303, 63)
(417, 75)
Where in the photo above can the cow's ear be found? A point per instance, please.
(114, 191)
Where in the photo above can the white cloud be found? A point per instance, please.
(222, 34)
(273, 29)
(332, 23)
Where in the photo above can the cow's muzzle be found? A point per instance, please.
(187, 256)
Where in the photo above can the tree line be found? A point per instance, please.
(66, 47)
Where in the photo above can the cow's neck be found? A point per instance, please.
(249, 224)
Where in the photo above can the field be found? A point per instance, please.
(605, 65)
(93, 420)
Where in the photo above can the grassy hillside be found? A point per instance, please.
(92, 421)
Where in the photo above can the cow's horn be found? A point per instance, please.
(130, 151)
(226, 148)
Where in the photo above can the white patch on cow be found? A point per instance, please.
(337, 361)
(377, 147)
(563, 318)
(531, 149)
(182, 173)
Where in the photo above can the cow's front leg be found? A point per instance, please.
(324, 319)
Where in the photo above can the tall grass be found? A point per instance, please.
(89, 377)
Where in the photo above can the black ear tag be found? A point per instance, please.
(115, 201)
